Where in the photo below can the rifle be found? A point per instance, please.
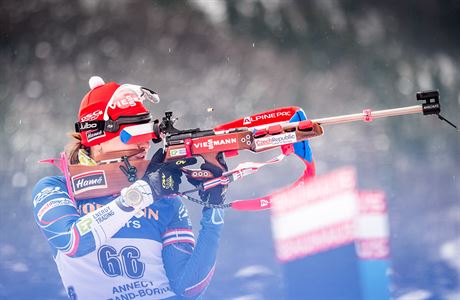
(286, 128)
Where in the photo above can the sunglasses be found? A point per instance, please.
(112, 125)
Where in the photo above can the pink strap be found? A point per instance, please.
(265, 202)
(61, 164)
(241, 170)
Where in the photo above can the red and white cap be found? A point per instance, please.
(110, 107)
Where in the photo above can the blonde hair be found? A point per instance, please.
(72, 148)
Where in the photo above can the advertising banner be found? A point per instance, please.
(332, 239)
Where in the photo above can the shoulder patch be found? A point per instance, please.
(48, 191)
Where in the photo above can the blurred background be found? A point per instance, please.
(242, 57)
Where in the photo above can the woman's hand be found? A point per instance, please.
(164, 177)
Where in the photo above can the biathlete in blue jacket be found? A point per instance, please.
(115, 228)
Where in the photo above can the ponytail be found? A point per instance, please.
(73, 147)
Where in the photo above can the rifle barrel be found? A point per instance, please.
(371, 114)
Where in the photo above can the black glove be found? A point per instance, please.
(215, 195)
(164, 177)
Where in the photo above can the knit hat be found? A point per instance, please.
(109, 107)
